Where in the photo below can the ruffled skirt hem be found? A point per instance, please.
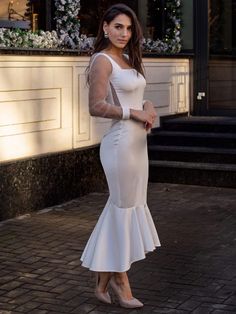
(114, 269)
(121, 237)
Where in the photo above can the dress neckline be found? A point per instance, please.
(106, 54)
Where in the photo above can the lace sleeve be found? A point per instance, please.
(99, 85)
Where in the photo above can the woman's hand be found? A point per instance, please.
(145, 116)
(148, 107)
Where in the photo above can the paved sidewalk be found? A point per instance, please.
(193, 272)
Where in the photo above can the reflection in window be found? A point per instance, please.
(151, 14)
(156, 17)
(38, 14)
(26, 14)
(12, 14)
(91, 15)
(222, 14)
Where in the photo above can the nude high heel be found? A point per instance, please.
(130, 304)
(101, 296)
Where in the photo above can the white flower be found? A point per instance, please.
(68, 26)
(67, 22)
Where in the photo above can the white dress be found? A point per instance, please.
(125, 231)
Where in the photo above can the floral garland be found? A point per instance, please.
(172, 41)
(68, 26)
(18, 38)
(67, 22)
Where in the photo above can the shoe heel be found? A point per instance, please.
(101, 296)
(129, 304)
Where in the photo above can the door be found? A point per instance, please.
(215, 64)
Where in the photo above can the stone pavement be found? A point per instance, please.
(193, 272)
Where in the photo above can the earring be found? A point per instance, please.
(105, 35)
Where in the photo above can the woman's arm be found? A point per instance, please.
(99, 74)
(148, 106)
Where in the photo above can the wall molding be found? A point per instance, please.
(44, 102)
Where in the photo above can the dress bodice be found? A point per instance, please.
(128, 84)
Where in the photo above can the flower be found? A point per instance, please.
(68, 26)
(23, 39)
(67, 22)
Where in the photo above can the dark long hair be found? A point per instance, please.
(134, 44)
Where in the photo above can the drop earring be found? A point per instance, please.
(105, 34)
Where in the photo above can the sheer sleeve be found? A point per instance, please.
(99, 85)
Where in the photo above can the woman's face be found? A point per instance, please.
(119, 30)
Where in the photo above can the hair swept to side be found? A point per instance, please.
(134, 45)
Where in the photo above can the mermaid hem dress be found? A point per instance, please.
(125, 230)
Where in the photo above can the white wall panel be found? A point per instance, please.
(44, 102)
(29, 111)
(87, 130)
(167, 85)
(35, 106)
(82, 119)
(159, 94)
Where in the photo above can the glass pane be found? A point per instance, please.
(12, 10)
(222, 63)
(12, 14)
(187, 24)
(156, 17)
(90, 14)
(26, 14)
(152, 15)
(222, 14)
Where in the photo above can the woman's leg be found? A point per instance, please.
(120, 285)
(122, 281)
(102, 281)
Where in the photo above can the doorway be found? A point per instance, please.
(215, 66)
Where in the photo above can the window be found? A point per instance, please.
(222, 15)
(90, 15)
(151, 13)
(26, 14)
(160, 20)
(37, 14)
(12, 14)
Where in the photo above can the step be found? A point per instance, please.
(192, 153)
(192, 165)
(203, 124)
(208, 139)
(208, 174)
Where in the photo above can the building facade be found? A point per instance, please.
(49, 143)
(214, 61)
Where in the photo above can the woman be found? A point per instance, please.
(125, 231)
